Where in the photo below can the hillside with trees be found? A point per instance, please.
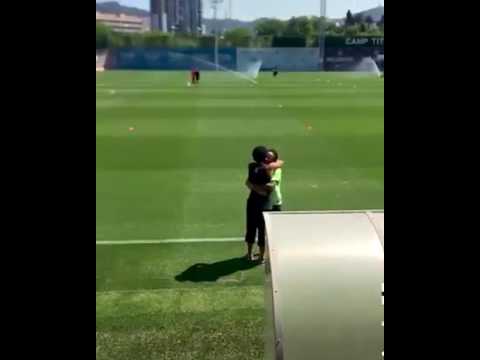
(300, 31)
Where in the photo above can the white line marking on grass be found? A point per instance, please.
(166, 241)
(176, 288)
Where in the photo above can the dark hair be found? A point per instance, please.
(259, 154)
(275, 154)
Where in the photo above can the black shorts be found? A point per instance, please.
(255, 222)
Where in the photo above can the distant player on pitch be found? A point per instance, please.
(195, 75)
(275, 71)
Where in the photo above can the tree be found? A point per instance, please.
(103, 36)
(296, 32)
(299, 27)
(358, 19)
(135, 40)
(238, 37)
(334, 29)
(156, 39)
(261, 41)
(381, 23)
(374, 31)
(349, 21)
(317, 22)
(206, 41)
(117, 40)
(353, 30)
(270, 27)
(369, 21)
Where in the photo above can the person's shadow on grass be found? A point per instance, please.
(213, 272)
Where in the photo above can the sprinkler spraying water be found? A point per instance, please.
(368, 66)
(253, 69)
(250, 74)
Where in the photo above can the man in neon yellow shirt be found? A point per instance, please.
(276, 194)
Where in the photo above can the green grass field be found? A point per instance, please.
(180, 175)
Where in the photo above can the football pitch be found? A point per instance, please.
(171, 165)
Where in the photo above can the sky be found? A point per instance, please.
(284, 9)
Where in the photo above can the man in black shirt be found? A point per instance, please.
(275, 71)
(259, 182)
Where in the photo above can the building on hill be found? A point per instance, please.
(124, 23)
